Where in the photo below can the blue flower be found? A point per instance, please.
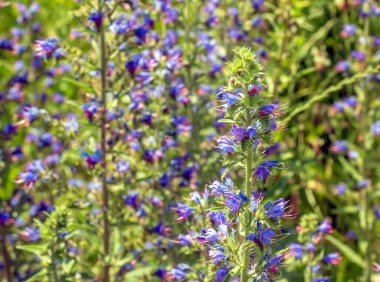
(333, 258)
(276, 209)
(217, 256)
(209, 235)
(97, 19)
(296, 250)
(218, 218)
(348, 30)
(221, 274)
(183, 211)
(325, 227)
(358, 55)
(237, 133)
(255, 89)
(342, 66)
(262, 172)
(185, 240)
(266, 235)
(225, 145)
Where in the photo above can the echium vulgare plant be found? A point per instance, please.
(249, 225)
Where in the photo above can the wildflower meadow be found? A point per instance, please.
(190, 140)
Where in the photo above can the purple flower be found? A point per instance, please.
(250, 133)
(276, 209)
(233, 202)
(229, 98)
(225, 145)
(325, 227)
(262, 172)
(141, 33)
(5, 218)
(6, 44)
(93, 159)
(122, 166)
(296, 250)
(348, 30)
(310, 247)
(221, 274)
(45, 48)
(177, 274)
(342, 66)
(257, 4)
(340, 188)
(375, 128)
(322, 279)
(31, 174)
(270, 164)
(358, 55)
(217, 256)
(269, 109)
(251, 237)
(217, 218)
(160, 273)
(97, 19)
(185, 240)
(133, 64)
(362, 184)
(237, 133)
(266, 235)
(351, 102)
(255, 89)
(339, 147)
(333, 258)
(161, 229)
(183, 211)
(90, 110)
(209, 235)
(72, 123)
(132, 199)
(164, 180)
(377, 212)
(31, 234)
(274, 262)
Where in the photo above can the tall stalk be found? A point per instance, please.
(6, 256)
(105, 192)
(248, 109)
(248, 175)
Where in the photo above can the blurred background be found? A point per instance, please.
(166, 64)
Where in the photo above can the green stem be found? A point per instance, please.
(368, 191)
(248, 190)
(105, 193)
(6, 256)
(54, 263)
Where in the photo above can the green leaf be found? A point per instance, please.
(349, 168)
(79, 84)
(226, 120)
(35, 249)
(325, 93)
(229, 166)
(232, 273)
(138, 274)
(349, 253)
(37, 276)
(346, 210)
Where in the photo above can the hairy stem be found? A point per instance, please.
(105, 206)
(54, 263)
(248, 174)
(6, 256)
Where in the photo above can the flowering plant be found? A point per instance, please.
(248, 223)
